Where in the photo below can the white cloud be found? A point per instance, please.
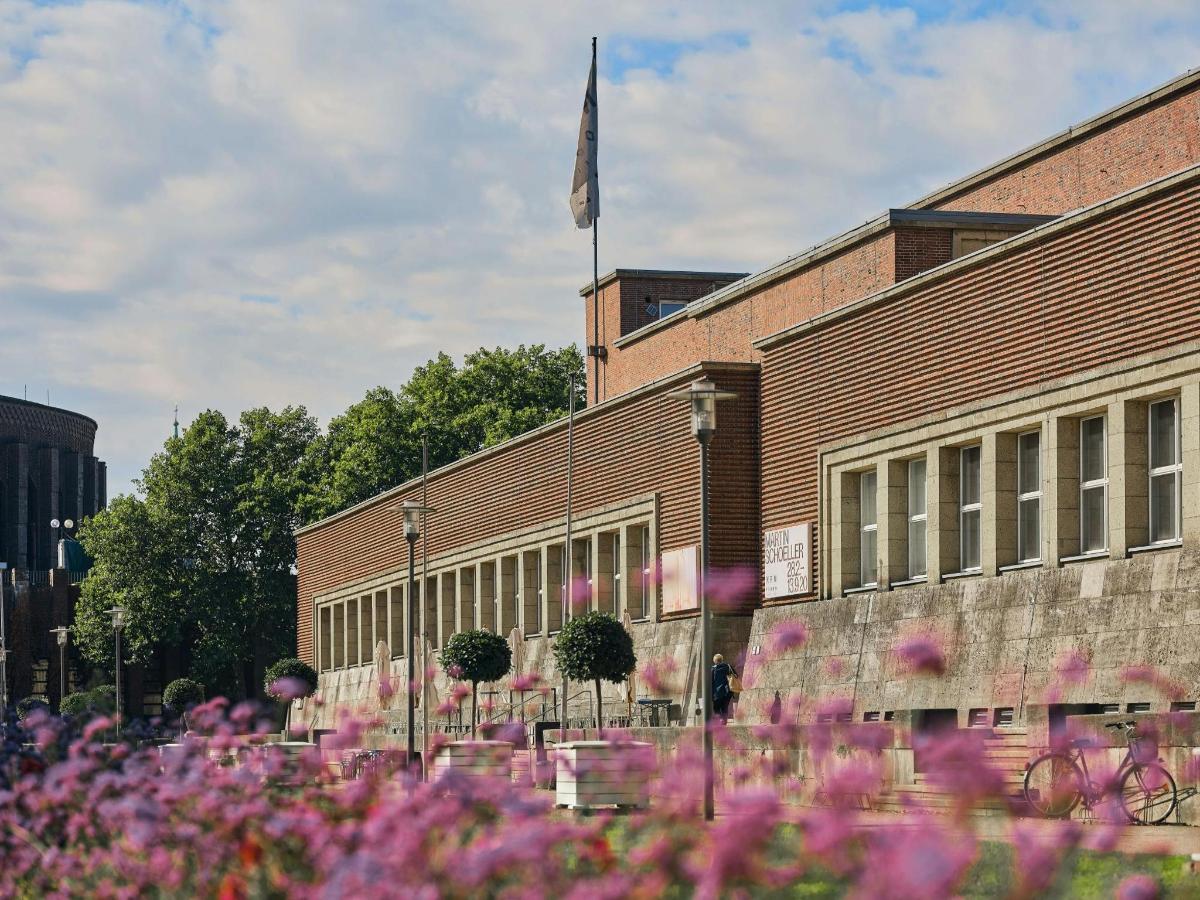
(227, 203)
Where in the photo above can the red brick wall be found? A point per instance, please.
(726, 332)
(1157, 141)
(920, 249)
(624, 449)
(1106, 161)
(1109, 289)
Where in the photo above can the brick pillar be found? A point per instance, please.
(446, 604)
(892, 506)
(1060, 491)
(485, 577)
(1189, 416)
(942, 537)
(1128, 477)
(998, 518)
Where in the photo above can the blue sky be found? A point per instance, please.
(231, 203)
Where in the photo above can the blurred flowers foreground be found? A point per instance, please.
(80, 816)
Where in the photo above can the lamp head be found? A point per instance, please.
(411, 510)
(703, 395)
(69, 524)
(61, 633)
(118, 617)
(54, 523)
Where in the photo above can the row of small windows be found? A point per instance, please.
(1163, 469)
(498, 594)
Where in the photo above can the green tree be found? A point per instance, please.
(495, 395)
(203, 560)
(594, 647)
(476, 656)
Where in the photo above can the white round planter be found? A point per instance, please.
(594, 774)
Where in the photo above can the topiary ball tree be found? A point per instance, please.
(182, 694)
(279, 681)
(76, 704)
(28, 705)
(476, 656)
(287, 680)
(595, 647)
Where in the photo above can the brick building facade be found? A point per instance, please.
(984, 407)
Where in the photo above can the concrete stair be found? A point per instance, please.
(1006, 751)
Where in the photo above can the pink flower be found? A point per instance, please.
(1072, 667)
(787, 636)
(1138, 887)
(922, 655)
(727, 588)
(287, 689)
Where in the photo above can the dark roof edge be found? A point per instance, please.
(950, 218)
(674, 275)
(649, 387)
(4, 398)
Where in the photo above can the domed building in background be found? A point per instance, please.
(49, 477)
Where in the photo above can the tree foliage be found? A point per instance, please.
(595, 646)
(183, 693)
(477, 656)
(494, 396)
(203, 559)
(291, 668)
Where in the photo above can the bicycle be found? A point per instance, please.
(1057, 781)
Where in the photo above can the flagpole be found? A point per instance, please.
(596, 263)
(425, 604)
(569, 553)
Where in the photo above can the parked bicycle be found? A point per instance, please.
(1057, 781)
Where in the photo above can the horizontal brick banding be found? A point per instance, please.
(623, 449)
(1114, 287)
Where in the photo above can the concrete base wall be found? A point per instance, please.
(672, 646)
(1002, 637)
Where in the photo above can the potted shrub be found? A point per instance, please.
(475, 656)
(596, 647)
(287, 680)
(181, 695)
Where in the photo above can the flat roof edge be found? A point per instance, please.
(673, 274)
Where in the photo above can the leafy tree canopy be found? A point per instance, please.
(477, 656)
(203, 560)
(595, 647)
(183, 693)
(296, 669)
(494, 396)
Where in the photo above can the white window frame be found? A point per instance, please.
(920, 518)
(1095, 483)
(1034, 496)
(647, 580)
(965, 508)
(1175, 469)
(865, 528)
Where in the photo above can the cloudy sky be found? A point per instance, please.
(229, 203)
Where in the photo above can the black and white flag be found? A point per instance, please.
(585, 186)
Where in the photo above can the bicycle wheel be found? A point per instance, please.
(1053, 785)
(1148, 794)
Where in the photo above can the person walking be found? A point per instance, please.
(722, 686)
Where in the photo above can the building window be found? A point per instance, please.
(868, 531)
(1166, 471)
(647, 577)
(918, 519)
(669, 308)
(1029, 496)
(969, 507)
(1093, 486)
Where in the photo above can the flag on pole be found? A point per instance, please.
(585, 186)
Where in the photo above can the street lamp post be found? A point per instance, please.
(3, 647)
(703, 396)
(118, 623)
(61, 527)
(61, 633)
(412, 513)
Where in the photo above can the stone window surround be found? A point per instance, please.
(588, 530)
(1121, 392)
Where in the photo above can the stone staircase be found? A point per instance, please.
(1006, 751)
